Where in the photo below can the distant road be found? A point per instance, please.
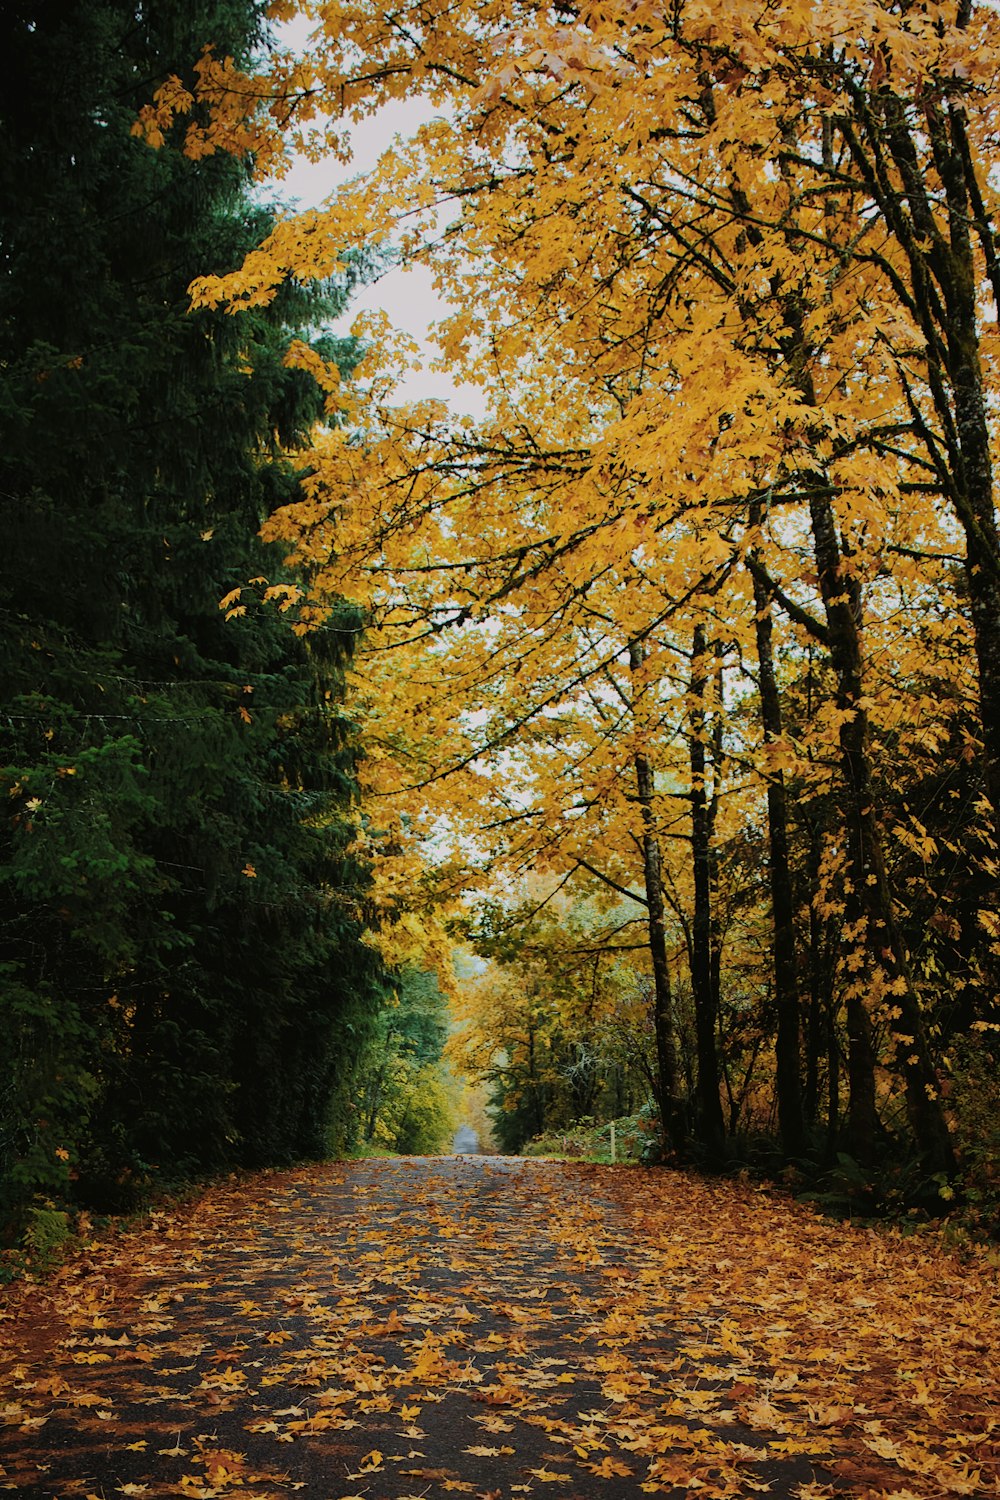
(466, 1141)
(473, 1327)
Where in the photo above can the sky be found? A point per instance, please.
(406, 296)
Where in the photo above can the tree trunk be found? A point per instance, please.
(537, 1096)
(949, 260)
(786, 989)
(877, 965)
(832, 1085)
(375, 1092)
(711, 1124)
(821, 1003)
(668, 1092)
(878, 968)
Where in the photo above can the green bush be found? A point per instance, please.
(588, 1141)
(47, 1233)
(975, 1104)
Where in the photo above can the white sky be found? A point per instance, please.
(406, 296)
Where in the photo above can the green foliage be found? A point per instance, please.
(976, 1114)
(406, 1094)
(47, 1233)
(185, 981)
(517, 1114)
(635, 1138)
(422, 1121)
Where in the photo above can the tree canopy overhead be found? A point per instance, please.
(698, 626)
(724, 552)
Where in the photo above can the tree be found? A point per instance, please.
(404, 1098)
(736, 310)
(186, 982)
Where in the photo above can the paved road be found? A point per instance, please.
(464, 1325)
(466, 1141)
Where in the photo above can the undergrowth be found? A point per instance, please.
(588, 1140)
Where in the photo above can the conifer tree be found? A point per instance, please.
(184, 982)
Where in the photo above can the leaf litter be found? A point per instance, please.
(467, 1326)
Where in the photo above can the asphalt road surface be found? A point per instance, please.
(466, 1141)
(470, 1325)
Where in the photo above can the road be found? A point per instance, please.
(466, 1140)
(473, 1325)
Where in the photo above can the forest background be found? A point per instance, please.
(670, 682)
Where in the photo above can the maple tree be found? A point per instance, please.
(727, 279)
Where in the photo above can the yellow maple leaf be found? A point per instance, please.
(609, 1467)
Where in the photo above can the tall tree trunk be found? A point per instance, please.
(786, 989)
(877, 965)
(375, 1090)
(832, 1085)
(821, 1002)
(711, 1123)
(945, 280)
(668, 1093)
(535, 1084)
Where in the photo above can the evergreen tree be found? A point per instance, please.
(184, 982)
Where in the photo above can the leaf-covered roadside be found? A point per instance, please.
(397, 1328)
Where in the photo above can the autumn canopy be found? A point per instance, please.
(681, 665)
(721, 564)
